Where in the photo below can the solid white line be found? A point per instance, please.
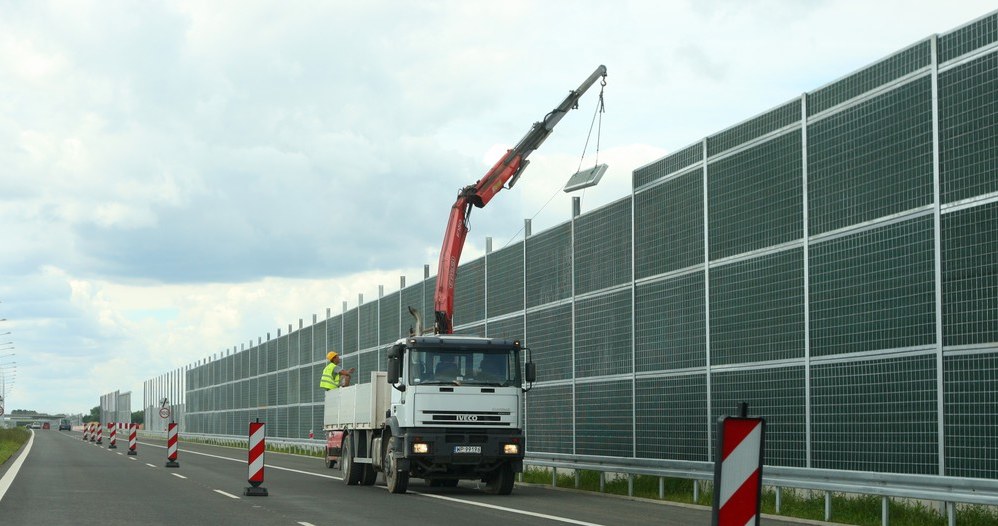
(231, 496)
(178, 475)
(510, 510)
(8, 477)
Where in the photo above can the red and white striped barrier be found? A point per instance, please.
(112, 435)
(738, 471)
(100, 434)
(255, 459)
(171, 446)
(131, 438)
(86, 432)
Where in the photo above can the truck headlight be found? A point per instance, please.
(420, 447)
(511, 449)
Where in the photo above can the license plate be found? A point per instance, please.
(467, 449)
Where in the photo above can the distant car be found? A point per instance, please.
(46, 425)
(65, 426)
(35, 425)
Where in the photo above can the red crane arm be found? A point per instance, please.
(508, 169)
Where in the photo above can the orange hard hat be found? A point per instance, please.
(330, 355)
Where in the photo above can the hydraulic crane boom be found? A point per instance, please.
(509, 168)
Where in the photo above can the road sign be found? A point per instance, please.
(164, 412)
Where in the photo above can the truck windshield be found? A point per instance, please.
(460, 367)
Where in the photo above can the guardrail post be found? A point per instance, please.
(630, 485)
(828, 506)
(885, 507)
(554, 477)
(661, 487)
(602, 481)
(578, 479)
(779, 499)
(951, 513)
(696, 491)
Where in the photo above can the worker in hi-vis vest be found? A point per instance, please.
(333, 375)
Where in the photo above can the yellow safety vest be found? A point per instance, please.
(330, 377)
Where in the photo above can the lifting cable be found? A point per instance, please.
(600, 109)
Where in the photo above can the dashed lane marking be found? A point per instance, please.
(231, 496)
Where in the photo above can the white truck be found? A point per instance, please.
(449, 408)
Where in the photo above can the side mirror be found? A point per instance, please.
(531, 372)
(393, 370)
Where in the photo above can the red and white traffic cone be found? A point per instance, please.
(171, 446)
(131, 439)
(255, 461)
(112, 435)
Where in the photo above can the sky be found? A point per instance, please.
(177, 178)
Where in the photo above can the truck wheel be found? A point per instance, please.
(351, 472)
(368, 475)
(397, 481)
(329, 462)
(500, 482)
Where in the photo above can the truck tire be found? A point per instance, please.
(329, 463)
(368, 475)
(397, 481)
(500, 482)
(351, 471)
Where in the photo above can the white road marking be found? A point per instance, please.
(231, 496)
(132, 458)
(306, 523)
(178, 475)
(452, 499)
(8, 477)
(150, 465)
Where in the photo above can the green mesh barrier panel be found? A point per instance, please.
(603, 247)
(603, 419)
(670, 417)
(871, 160)
(670, 164)
(549, 419)
(293, 386)
(294, 348)
(509, 328)
(670, 329)
(549, 336)
(668, 226)
(754, 128)
(968, 129)
(430, 285)
(970, 275)
(412, 296)
(968, 38)
(549, 266)
(368, 362)
(282, 352)
(368, 330)
(875, 415)
(389, 329)
(603, 335)
(282, 387)
(306, 383)
(776, 394)
(350, 335)
(353, 361)
(755, 197)
(334, 336)
(873, 290)
(319, 345)
(271, 393)
(282, 422)
(469, 293)
(971, 409)
(477, 329)
(270, 350)
(757, 309)
(318, 393)
(878, 74)
(294, 423)
(505, 277)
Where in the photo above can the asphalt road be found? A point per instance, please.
(64, 480)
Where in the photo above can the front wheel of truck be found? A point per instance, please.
(397, 481)
(500, 482)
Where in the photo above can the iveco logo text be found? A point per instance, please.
(471, 418)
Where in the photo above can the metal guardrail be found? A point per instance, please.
(922, 487)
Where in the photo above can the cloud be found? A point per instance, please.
(178, 179)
